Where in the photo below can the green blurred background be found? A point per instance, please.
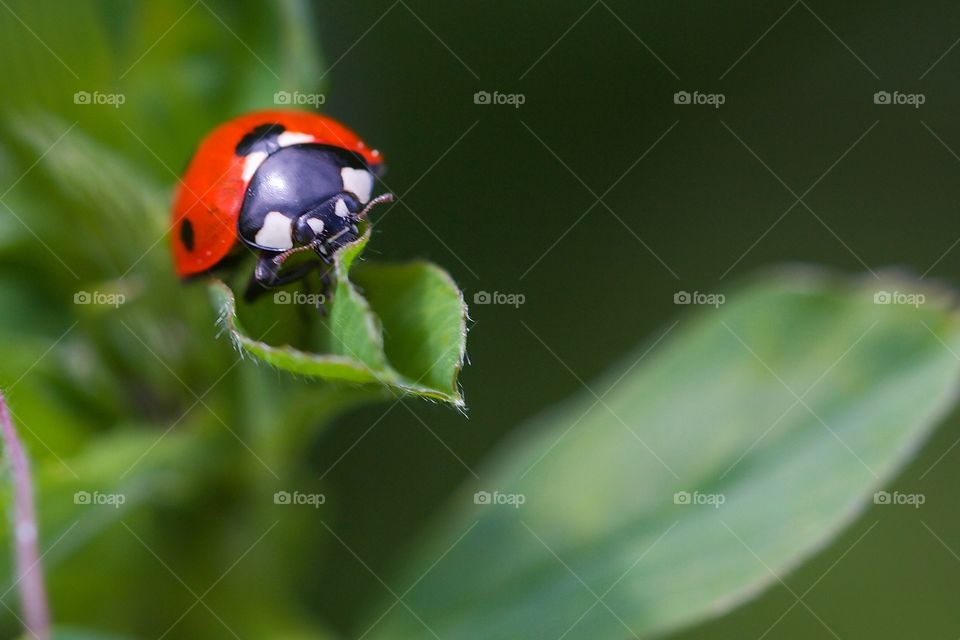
(699, 199)
(504, 198)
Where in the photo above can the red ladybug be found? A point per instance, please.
(278, 182)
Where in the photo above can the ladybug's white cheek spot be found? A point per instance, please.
(359, 182)
(316, 225)
(341, 209)
(276, 232)
(252, 163)
(288, 138)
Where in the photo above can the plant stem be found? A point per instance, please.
(33, 595)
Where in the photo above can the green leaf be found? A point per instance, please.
(355, 332)
(423, 317)
(407, 330)
(712, 411)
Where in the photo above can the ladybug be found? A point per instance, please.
(277, 183)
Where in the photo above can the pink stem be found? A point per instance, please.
(33, 595)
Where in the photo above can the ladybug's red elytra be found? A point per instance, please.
(279, 182)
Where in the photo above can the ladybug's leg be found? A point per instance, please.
(327, 282)
(267, 274)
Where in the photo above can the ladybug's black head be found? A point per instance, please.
(330, 225)
(334, 223)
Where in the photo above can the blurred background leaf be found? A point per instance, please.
(695, 475)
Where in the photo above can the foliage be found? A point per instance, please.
(703, 468)
(118, 375)
(792, 402)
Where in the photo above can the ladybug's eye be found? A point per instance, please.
(308, 229)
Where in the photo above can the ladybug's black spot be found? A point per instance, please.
(260, 138)
(186, 234)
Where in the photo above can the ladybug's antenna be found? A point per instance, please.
(318, 243)
(386, 197)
